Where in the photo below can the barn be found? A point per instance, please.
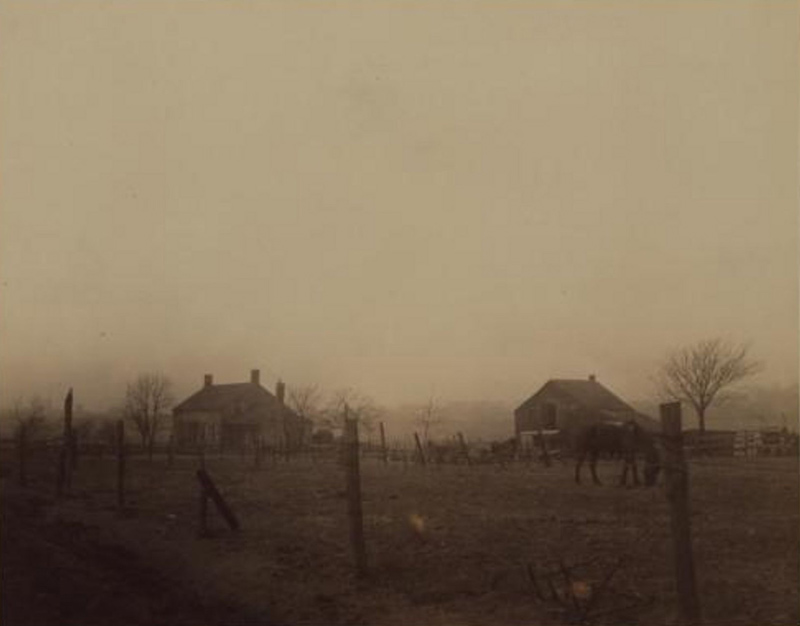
(567, 406)
(235, 415)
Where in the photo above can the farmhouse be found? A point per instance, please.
(232, 416)
(568, 405)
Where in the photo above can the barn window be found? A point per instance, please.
(550, 416)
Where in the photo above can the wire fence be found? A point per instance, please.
(427, 457)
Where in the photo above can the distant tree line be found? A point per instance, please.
(701, 374)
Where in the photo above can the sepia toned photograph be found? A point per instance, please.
(383, 313)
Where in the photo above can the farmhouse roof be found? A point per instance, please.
(215, 398)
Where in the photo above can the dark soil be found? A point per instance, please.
(446, 545)
(62, 572)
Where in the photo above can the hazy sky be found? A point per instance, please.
(452, 198)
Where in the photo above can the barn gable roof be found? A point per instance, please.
(591, 395)
(588, 393)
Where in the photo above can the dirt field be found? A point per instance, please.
(447, 545)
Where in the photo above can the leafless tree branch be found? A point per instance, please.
(359, 406)
(146, 402)
(428, 418)
(305, 400)
(698, 374)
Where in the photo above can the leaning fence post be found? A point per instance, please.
(209, 490)
(120, 464)
(23, 444)
(354, 496)
(677, 487)
(420, 451)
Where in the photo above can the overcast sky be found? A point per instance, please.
(453, 198)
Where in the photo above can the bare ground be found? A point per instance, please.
(56, 571)
(447, 545)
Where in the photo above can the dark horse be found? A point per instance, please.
(618, 439)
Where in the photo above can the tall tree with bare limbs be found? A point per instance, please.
(146, 402)
(699, 374)
(30, 415)
(359, 406)
(428, 418)
(305, 400)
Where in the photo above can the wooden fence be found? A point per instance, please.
(741, 443)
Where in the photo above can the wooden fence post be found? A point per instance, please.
(677, 487)
(464, 450)
(65, 474)
(420, 451)
(257, 452)
(61, 474)
(201, 449)
(384, 451)
(545, 451)
(202, 530)
(287, 452)
(120, 464)
(354, 496)
(73, 449)
(23, 452)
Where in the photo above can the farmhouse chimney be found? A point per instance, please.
(255, 377)
(592, 377)
(208, 380)
(280, 391)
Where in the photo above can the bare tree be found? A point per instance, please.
(359, 406)
(30, 415)
(305, 400)
(146, 401)
(428, 418)
(700, 373)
